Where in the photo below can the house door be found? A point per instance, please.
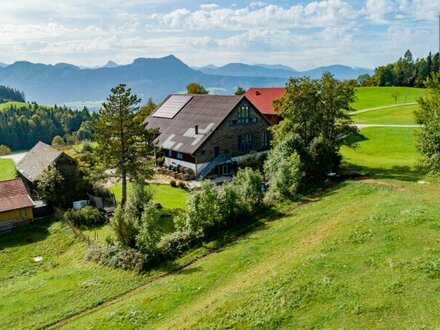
(225, 169)
(216, 151)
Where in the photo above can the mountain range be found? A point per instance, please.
(148, 77)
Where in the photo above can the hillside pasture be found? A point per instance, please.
(384, 152)
(12, 103)
(398, 115)
(371, 97)
(362, 256)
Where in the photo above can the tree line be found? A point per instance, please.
(23, 126)
(10, 94)
(404, 72)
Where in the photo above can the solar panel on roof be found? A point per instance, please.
(172, 106)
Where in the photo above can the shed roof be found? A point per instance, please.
(13, 195)
(37, 160)
(206, 111)
(262, 98)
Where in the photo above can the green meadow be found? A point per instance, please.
(400, 115)
(371, 97)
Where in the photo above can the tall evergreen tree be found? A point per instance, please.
(123, 143)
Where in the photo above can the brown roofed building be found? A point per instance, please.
(15, 204)
(208, 133)
(39, 158)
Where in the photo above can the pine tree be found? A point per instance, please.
(123, 143)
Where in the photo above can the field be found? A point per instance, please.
(384, 152)
(371, 97)
(362, 254)
(401, 115)
(7, 169)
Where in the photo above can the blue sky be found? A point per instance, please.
(301, 34)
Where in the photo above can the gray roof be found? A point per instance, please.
(37, 160)
(206, 111)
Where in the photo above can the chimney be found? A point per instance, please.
(196, 129)
(257, 93)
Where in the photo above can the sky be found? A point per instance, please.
(300, 34)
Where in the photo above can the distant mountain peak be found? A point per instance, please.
(111, 64)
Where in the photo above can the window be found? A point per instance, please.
(169, 153)
(179, 155)
(203, 152)
(243, 115)
(22, 213)
(265, 137)
(245, 142)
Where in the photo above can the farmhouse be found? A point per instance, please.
(208, 133)
(15, 204)
(39, 158)
(262, 98)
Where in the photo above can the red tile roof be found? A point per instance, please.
(13, 195)
(263, 97)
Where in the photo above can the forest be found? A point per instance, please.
(10, 94)
(21, 127)
(404, 72)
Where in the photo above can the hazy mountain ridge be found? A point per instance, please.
(148, 77)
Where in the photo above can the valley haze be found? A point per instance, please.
(64, 83)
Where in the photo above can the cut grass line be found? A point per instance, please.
(382, 107)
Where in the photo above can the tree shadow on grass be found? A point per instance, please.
(31, 233)
(353, 140)
(402, 173)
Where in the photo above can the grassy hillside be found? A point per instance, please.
(361, 256)
(400, 115)
(12, 103)
(370, 97)
(384, 152)
(7, 169)
(34, 294)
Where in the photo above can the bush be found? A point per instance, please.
(4, 150)
(282, 170)
(181, 184)
(173, 183)
(174, 244)
(87, 216)
(248, 186)
(150, 231)
(116, 257)
(125, 228)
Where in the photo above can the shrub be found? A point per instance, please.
(202, 210)
(125, 228)
(282, 170)
(150, 231)
(248, 186)
(173, 183)
(57, 142)
(117, 257)
(139, 197)
(181, 184)
(4, 150)
(87, 216)
(174, 244)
